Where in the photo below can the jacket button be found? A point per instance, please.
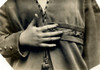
(5, 48)
(10, 48)
(36, 15)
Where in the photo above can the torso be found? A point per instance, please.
(58, 11)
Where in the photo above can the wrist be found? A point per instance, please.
(22, 39)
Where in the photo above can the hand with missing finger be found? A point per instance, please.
(36, 37)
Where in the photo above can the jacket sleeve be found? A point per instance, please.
(9, 35)
(91, 44)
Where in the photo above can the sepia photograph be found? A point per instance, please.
(49, 34)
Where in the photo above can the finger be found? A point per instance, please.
(47, 45)
(48, 34)
(50, 39)
(33, 22)
(47, 27)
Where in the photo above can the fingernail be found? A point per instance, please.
(58, 38)
(54, 45)
(56, 24)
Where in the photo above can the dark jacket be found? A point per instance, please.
(77, 16)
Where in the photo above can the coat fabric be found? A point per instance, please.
(74, 17)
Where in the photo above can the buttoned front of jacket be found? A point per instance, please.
(68, 14)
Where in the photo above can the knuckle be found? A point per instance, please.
(37, 29)
(40, 45)
(52, 39)
(33, 28)
(52, 33)
(40, 40)
(49, 39)
(49, 34)
(39, 35)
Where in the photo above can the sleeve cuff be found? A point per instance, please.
(21, 53)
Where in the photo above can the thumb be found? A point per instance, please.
(33, 22)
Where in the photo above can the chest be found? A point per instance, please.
(64, 11)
